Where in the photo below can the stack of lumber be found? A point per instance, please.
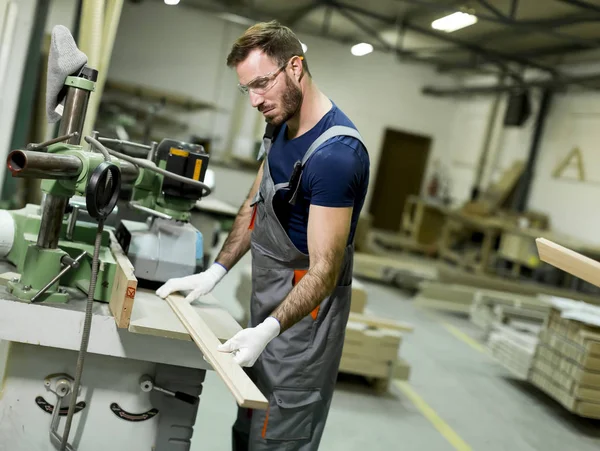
(405, 272)
(513, 347)
(566, 365)
(448, 297)
(490, 308)
(371, 349)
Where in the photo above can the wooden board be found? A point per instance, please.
(569, 261)
(450, 274)
(243, 389)
(151, 315)
(124, 285)
(375, 321)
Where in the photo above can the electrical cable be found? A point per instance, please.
(99, 147)
(85, 337)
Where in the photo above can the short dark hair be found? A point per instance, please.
(275, 40)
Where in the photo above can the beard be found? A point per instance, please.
(290, 103)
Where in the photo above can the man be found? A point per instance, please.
(299, 221)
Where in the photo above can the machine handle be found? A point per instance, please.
(186, 398)
(147, 385)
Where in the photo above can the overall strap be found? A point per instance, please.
(269, 136)
(336, 130)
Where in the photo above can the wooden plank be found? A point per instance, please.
(151, 315)
(384, 323)
(124, 285)
(569, 261)
(243, 389)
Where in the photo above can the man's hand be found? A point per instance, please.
(199, 284)
(249, 343)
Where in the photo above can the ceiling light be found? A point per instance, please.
(361, 49)
(304, 47)
(171, 2)
(453, 22)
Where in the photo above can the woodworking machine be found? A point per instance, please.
(52, 249)
(59, 254)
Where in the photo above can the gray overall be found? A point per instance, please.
(297, 371)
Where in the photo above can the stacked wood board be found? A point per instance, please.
(371, 349)
(405, 271)
(566, 365)
(513, 347)
(491, 307)
(448, 297)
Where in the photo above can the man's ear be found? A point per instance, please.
(298, 67)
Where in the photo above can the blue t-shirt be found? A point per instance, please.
(337, 175)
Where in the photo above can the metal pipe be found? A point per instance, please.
(490, 89)
(120, 142)
(42, 146)
(158, 214)
(32, 164)
(51, 222)
(524, 186)
(69, 264)
(129, 171)
(483, 156)
(74, 113)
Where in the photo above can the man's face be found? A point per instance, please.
(272, 91)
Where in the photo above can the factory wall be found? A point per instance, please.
(187, 52)
(573, 121)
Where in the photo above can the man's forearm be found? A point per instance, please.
(316, 285)
(238, 241)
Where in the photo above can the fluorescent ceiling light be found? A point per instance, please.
(453, 22)
(304, 47)
(171, 2)
(361, 49)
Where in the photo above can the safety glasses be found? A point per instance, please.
(262, 84)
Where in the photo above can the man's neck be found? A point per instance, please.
(314, 106)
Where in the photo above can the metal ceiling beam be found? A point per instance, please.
(495, 57)
(490, 89)
(499, 18)
(302, 12)
(363, 26)
(581, 4)
(258, 16)
(514, 5)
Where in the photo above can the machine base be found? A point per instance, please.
(113, 411)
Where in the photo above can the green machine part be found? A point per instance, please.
(39, 266)
(153, 190)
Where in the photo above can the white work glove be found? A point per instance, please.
(199, 284)
(249, 343)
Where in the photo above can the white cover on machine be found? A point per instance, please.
(7, 233)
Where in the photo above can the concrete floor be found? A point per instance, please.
(466, 395)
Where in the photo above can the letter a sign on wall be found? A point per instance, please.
(573, 154)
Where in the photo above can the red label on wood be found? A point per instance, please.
(130, 292)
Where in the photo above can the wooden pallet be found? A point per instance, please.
(371, 349)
